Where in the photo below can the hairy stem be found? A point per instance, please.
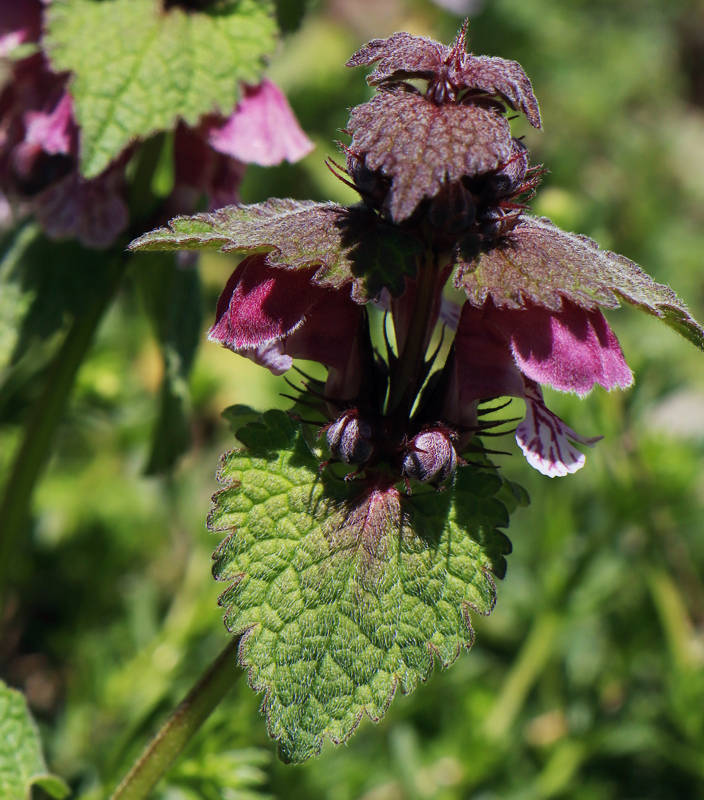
(406, 378)
(181, 726)
(40, 427)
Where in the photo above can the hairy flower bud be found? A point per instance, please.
(350, 438)
(430, 456)
(373, 185)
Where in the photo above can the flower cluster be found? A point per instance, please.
(443, 189)
(40, 142)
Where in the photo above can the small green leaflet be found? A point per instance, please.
(22, 764)
(137, 69)
(344, 594)
(349, 244)
(539, 263)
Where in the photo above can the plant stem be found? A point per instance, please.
(33, 452)
(405, 378)
(181, 726)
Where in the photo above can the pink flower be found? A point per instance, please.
(275, 315)
(262, 129)
(200, 170)
(509, 352)
(39, 160)
(210, 158)
(20, 21)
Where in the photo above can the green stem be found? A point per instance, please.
(33, 452)
(181, 726)
(404, 379)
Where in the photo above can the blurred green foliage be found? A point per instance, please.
(588, 679)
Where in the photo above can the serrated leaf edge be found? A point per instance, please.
(227, 484)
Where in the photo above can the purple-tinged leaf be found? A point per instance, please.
(422, 146)
(404, 56)
(349, 245)
(538, 263)
(506, 78)
(400, 53)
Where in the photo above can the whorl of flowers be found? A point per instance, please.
(443, 187)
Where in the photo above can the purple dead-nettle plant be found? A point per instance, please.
(403, 413)
(444, 188)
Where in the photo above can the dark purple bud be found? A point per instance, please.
(350, 438)
(453, 210)
(373, 186)
(509, 180)
(496, 222)
(430, 456)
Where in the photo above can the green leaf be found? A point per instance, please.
(22, 764)
(171, 295)
(14, 298)
(345, 593)
(42, 284)
(137, 69)
(539, 263)
(348, 244)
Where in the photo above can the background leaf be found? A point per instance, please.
(345, 594)
(43, 285)
(22, 764)
(171, 293)
(137, 69)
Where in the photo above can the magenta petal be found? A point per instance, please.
(570, 350)
(260, 304)
(53, 131)
(201, 170)
(262, 129)
(485, 367)
(546, 441)
(330, 331)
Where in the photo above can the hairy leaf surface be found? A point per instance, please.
(345, 594)
(506, 78)
(539, 263)
(400, 53)
(22, 764)
(350, 245)
(421, 146)
(137, 69)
